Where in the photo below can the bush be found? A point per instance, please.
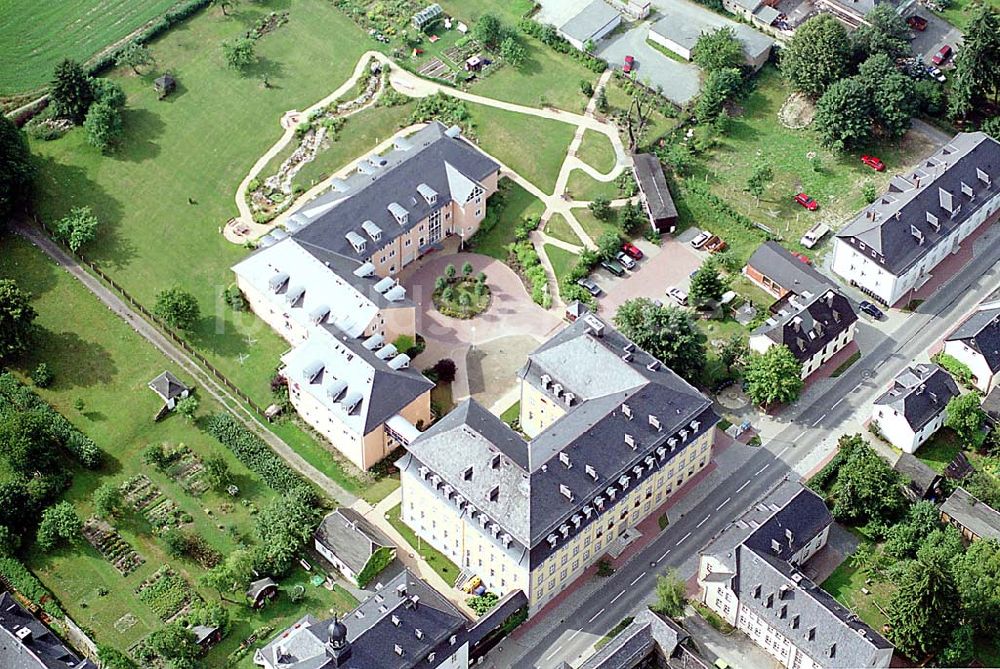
(445, 370)
(955, 367)
(254, 453)
(234, 298)
(25, 583)
(378, 561)
(548, 36)
(482, 604)
(42, 376)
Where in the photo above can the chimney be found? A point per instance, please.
(401, 590)
(789, 535)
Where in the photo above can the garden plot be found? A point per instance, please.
(166, 593)
(189, 471)
(145, 497)
(436, 69)
(106, 540)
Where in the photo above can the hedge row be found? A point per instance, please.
(172, 17)
(379, 560)
(548, 36)
(25, 582)
(254, 453)
(23, 399)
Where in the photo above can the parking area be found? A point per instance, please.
(680, 81)
(669, 264)
(939, 32)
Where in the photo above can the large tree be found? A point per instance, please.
(60, 523)
(239, 53)
(671, 595)
(977, 575)
(668, 333)
(965, 416)
(78, 227)
(894, 96)
(16, 169)
(718, 50)
(71, 91)
(866, 488)
(104, 127)
(818, 55)
(706, 286)
(720, 85)
(885, 32)
(282, 528)
(177, 307)
(977, 65)
(925, 610)
(133, 54)
(17, 319)
(233, 575)
(773, 377)
(490, 30)
(844, 115)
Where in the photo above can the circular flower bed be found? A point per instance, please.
(462, 297)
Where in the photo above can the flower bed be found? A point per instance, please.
(463, 297)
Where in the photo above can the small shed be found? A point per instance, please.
(920, 482)
(206, 636)
(262, 591)
(655, 193)
(169, 388)
(164, 85)
(474, 64)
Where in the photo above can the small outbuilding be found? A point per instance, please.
(655, 193)
(164, 85)
(169, 388)
(920, 482)
(973, 518)
(427, 16)
(261, 592)
(206, 636)
(353, 545)
(576, 309)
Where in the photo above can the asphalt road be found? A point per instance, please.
(631, 587)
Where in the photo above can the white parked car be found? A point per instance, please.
(677, 295)
(700, 240)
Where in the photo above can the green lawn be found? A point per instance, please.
(198, 144)
(596, 151)
(837, 186)
(509, 10)
(512, 413)
(582, 186)
(558, 227)
(562, 260)
(845, 584)
(517, 205)
(592, 226)
(35, 36)
(445, 568)
(659, 124)
(958, 14)
(96, 357)
(531, 146)
(938, 451)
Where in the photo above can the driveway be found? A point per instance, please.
(680, 81)
(511, 317)
(925, 44)
(666, 265)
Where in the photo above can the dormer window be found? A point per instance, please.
(357, 241)
(467, 474)
(399, 213)
(372, 231)
(495, 461)
(429, 194)
(495, 493)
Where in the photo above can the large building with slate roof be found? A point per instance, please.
(650, 641)
(406, 624)
(750, 574)
(976, 342)
(894, 244)
(25, 643)
(611, 434)
(814, 327)
(326, 284)
(915, 406)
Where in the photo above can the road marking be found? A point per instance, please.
(553, 653)
(683, 538)
(759, 472)
(703, 520)
(596, 615)
(723, 504)
(664, 555)
(816, 422)
(637, 579)
(616, 597)
(740, 489)
(836, 403)
(572, 636)
(778, 456)
(856, 387)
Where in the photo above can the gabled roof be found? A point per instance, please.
(919, 393)
(366, 381)
(38, 647)
(589, 20)
(648, 634)
(653, 184)
(684, 23)
(778, 264)
(920, 479)
(919, 202)
(973, 514)
(167, 386)
(433, 156)
(981, 332)
(351, 537)
(806, 324)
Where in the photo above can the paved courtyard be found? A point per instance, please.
(512, 326)
(680, 81)
(669, 264)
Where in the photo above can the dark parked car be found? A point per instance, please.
(871, 310)
(917, 22)
(588, 284)
(614, 267)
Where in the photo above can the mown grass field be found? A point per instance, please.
(558, 227)
(518, 205)
(582, 186)
(35, 36)
(562, 260)
(96, 357)
(596, 151)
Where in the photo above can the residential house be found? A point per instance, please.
(170, 389)
(650, 640)
(759, 13)
(581, 23)
(920, 482)
(26, 643)
(976, 343)
(348, 541)
(405, 625)
(893, 246)
(751, 575)
(683, 23)
(813, 327)
(360, 394)
(975, 519)
(914, 406)
(777, 271)
(656, 198)
(611, 435)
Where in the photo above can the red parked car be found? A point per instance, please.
(632, 250)
(803, 257)
(873, 162)
(807, 202)
(917, 22)
(629, 64)
(716, 245)
(943, 54)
